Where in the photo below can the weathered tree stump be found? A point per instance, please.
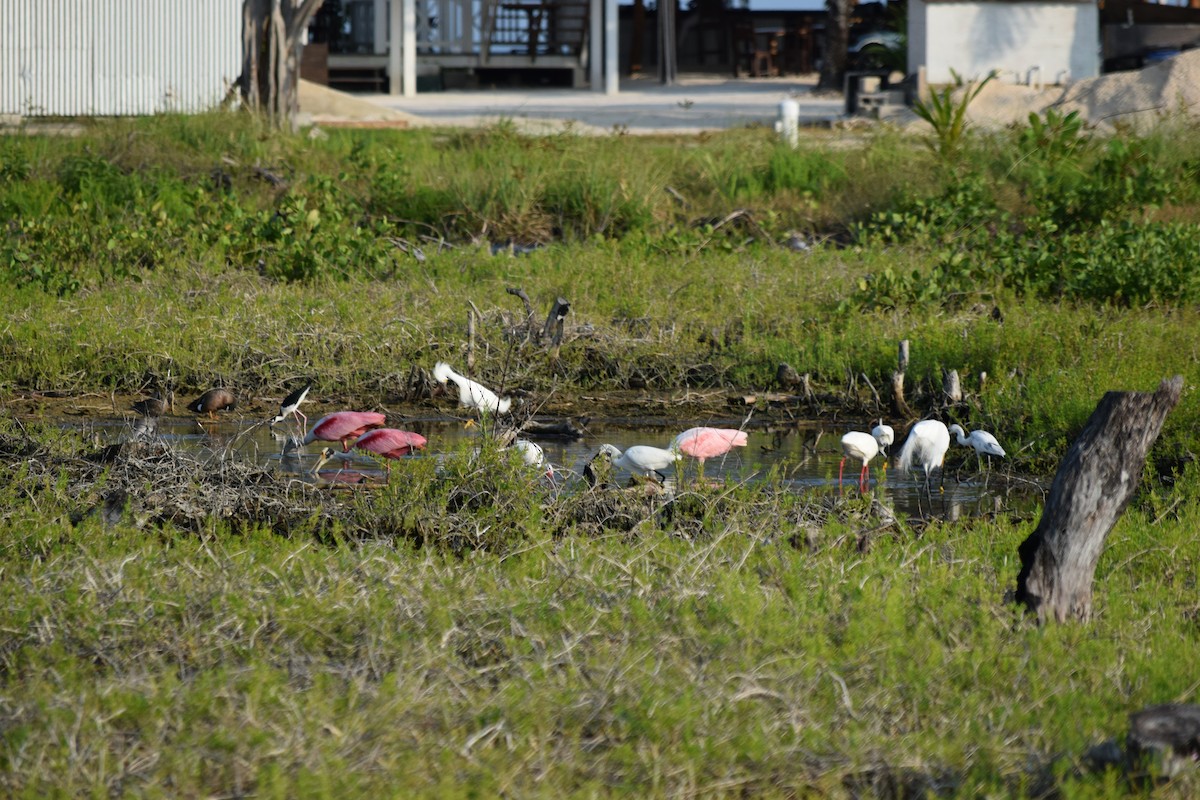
(1172, 726)
(900, 406)
(1093, 485)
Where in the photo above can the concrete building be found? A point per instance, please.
(1026, 41)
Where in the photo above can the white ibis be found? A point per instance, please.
(532, 456)
(926, 445)
(290, 406)
(983, 442)
(344, 427)
(641, 459)
(885, 435)
(470, 393)
(862, 447)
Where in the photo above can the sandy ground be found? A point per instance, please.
(700, 103)
(695, 104)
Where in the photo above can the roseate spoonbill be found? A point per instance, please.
(926, 445)
(212, 401)
(532, 455)
(984, 443)
(344, 427)
(702, 443)
(471, 394)
(156, 405)
(640, 459)
(390, 443)
(862, 447)
(290, 406)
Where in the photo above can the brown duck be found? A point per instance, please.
(212, 401)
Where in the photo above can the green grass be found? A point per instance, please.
(156, 662)
(465, 631)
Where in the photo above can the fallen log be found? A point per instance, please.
(1093, 485)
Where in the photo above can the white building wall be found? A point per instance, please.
(1050, 42)
(117, 57)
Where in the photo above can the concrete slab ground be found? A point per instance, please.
(643, 106)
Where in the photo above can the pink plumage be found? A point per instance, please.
(344, 427)
(390, 442)
(702, 443)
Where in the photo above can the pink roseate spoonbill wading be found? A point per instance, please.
(390, 443)
(926, 446)
(344, 427)
(983, 443)
(470, 393)
(641, 459)
(861, 447)
(290, 407)
(212, 401)
(704, 443)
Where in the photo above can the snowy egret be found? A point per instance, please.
(470, 393)
(926, 445)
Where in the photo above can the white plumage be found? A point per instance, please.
(926, 445)
(641, 459)
(532, 455)
(885, 435)
(983, 442)
(862, 447)
(470, 393)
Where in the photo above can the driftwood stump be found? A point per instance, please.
(1091, 489)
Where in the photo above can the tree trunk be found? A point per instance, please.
(1091, 489)
(836, 44)
(272, 33)
(667, 54)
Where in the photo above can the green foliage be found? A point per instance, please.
(947, 114)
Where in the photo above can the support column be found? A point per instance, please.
(402, 48)
(596, 9)
(611, 39)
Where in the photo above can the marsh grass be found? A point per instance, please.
(751, 642)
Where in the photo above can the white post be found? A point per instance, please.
(611, 38)
(596, 9)
(394, 61)
(410, 48)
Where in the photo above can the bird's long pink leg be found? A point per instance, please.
(841, 466)
(863, 476)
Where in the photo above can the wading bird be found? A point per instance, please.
(290, 406)
(390, 443)
(156, 405)
(861, 447)
(641, 459)
(532, 456)
(471, 394)
(212, 401)
(344, 427)
(926, 445)
(885, 435)
(984, 443)
(703, 443)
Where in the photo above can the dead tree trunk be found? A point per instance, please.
(1091, 489)
(899, 404)
(272, 32)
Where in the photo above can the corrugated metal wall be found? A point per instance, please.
(117, 57)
